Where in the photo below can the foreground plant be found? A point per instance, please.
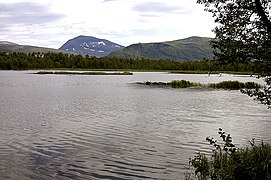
(231, 163)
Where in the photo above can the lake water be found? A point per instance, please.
(107, 127)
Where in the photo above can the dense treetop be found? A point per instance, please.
(243, 32)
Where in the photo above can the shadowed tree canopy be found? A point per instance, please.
(243, 32)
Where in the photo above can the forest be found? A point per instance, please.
(22, 61)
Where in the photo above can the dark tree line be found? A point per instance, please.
(21, 61)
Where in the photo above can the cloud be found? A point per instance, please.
(108, 0)
(158, 7)
(51, 23)
(22, 22)
(26, 13)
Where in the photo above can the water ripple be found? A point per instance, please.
(62, 127)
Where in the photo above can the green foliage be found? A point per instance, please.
(243, 32)
(230, 163)
(261, 95)
(243, 35)
(202, 166)
(25, 49)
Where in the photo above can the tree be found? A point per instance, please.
(243, 32)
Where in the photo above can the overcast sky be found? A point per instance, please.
(50, 23)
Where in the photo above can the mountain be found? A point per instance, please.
(6, 46)
(91, 46)
(192, 48)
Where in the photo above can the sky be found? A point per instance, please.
(50, 23)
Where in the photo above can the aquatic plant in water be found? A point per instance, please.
(83, 73)
(229, 85)
(184, 84)
(235, 85)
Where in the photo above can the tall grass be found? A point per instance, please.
(184, 84)
(235, 85)
(249, 163)
(230, 85)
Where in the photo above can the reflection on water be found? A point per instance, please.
(106, 127)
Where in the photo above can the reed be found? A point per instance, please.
(228, 85)
(234, 85)
(184, 84)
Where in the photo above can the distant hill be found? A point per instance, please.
(6, 46)
(90, 45)
(192, 48)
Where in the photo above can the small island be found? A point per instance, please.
(228, 85)
(82, 73)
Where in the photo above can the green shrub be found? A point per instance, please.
(230, 163)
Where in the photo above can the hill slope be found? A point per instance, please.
(6, 46)
(91, 46)
(192, 48)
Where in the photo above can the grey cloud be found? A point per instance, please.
(158, 7)
(26, 13)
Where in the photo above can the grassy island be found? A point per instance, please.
(82, 73)
(229, 85)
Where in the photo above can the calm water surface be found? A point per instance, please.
(107, 127)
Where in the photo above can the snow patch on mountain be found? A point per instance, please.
(88, 45)
(102, 43)
(7, 43)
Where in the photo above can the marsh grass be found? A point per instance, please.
(228, 85)
(184, 84)
(234, 85)
(83, 73)
(209, 73)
